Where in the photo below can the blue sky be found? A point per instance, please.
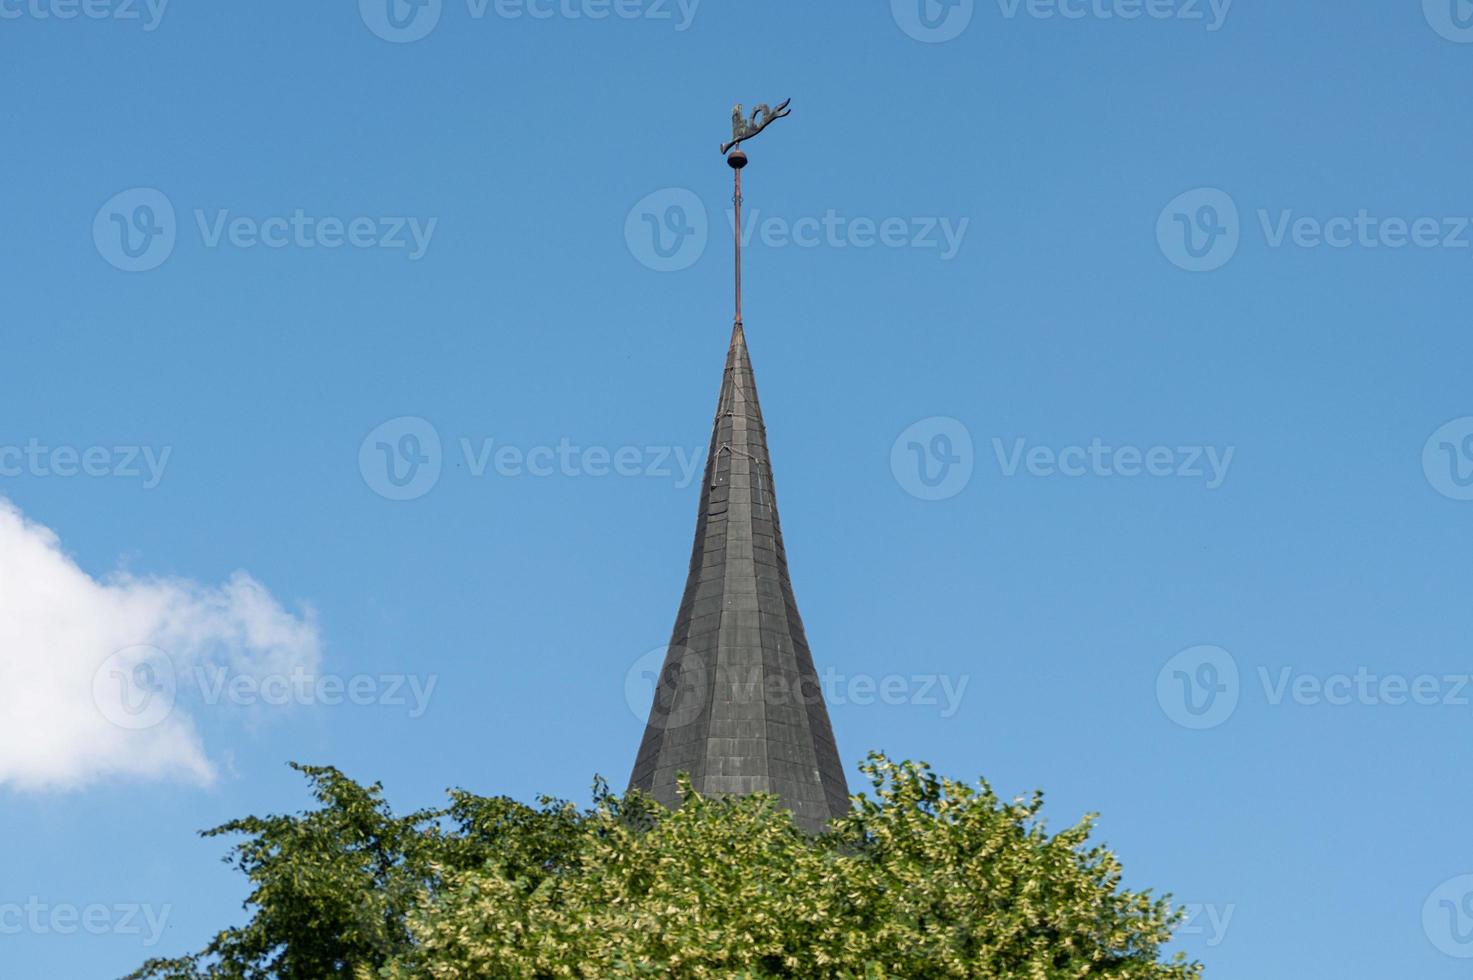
(1172, 306)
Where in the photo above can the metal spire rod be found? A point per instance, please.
(743, 129)
(738, 160)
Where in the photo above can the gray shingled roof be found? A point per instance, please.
(738, 705)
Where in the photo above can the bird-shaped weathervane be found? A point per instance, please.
(743, 128)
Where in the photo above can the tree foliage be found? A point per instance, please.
(925, 878)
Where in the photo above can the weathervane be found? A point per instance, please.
(743, 129)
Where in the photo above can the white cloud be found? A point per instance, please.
(88, 668)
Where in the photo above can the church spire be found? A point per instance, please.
(738, 705)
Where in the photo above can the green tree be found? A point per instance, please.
(925, 878)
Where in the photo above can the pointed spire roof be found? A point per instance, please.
(738, 704)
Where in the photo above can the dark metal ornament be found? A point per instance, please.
(743, 129)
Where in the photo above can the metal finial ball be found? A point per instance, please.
(736, 160)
